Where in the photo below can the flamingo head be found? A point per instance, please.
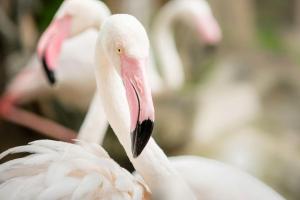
(199, 12)
(72, 18)
(127, 49)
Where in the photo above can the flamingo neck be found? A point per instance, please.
(155, 78)
(94, 125)
(166, 50)
(152, 164)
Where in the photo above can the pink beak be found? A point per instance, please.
(140, 102)
(209, 29)
(50, 44)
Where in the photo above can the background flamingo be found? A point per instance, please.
(72, 64)
(196, 13)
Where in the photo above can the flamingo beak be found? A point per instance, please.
(209, 29)
(49, 46)
(140, 102)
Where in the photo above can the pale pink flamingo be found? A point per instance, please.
(73, 34)
(196, 13)
(60, 170)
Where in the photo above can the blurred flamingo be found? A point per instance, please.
(198, 14)
(75, 25)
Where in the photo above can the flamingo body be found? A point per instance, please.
(84, 170)
(214, 180)
(60, 170)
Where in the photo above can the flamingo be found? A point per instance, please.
(194, 11)
(75, 25)
(120, 66)
(197, 13)
(209, 31)
(75, 170)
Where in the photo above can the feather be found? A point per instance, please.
(59, 170)
(62, 189)
(88, 185)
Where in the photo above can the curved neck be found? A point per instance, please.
(94, 126)
(166, 50)
(152, 164)
(156, 81)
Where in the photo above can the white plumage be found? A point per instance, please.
(60, 170)
(211, 179)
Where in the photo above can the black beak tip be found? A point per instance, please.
(49, 73)
(140, 136)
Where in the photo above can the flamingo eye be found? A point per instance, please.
(119, 50)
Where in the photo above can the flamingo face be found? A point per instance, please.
(72, 18)
(208, 28)
(50, 44)
(127, 48)
(206, 24)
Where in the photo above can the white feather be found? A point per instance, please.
(59, 170)
(88, 184)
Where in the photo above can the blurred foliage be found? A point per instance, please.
(271, 20)
(270, 39)
(46, 13)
